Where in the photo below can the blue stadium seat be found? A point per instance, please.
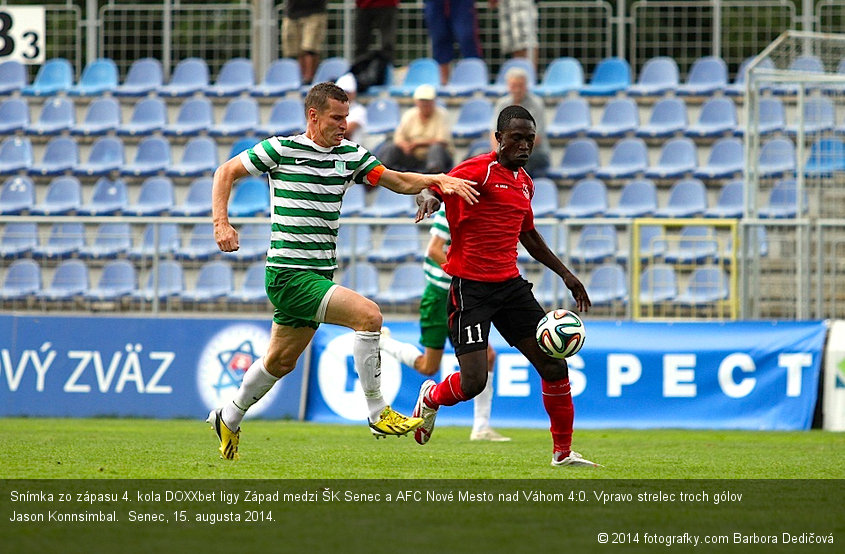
(678, 157)
(118, 280)
(253, 240)
(199, 244)
(329, 70)
(61, 154)
(473, 119)
(252, 289)
(109, 197)
(354, 200)
(168, 241)
(717, 117)
(14, 116)
(550, 291)
(730, 203)
(64, 241)
(15, 155)
(19, 238)
(827, 155)
(151, 157)
(783, 201)
(706, 286)
(197, 201)
(707, 76)
(726, 160)
(240, 117)
(737, 88)
(668, 117)
(468, 76)
(236, 76)
(620, 117)
(500, 87)
(98, 77)
(250, 198)
(571, 118)
(406, 286)
(56, 115)
(69, 281)
(596, 243)
(110, 241)
(243, 143)
(771, 117)
(354, 241)
(580, 158)
(23, 280)
(608, 284)
(287, 117)
(195, 116)
(611, 75)
(171, 282)
(106, 156)
(56, 75)
(804, 64)
(383, 116)
(64, 195)
(638, 199)
(818, 116)
(421, 71)
(477, 147)
(102, 116)
(562, 76)
(544, 202)
(658, 284)
(687, 198)
(757, 246)
(148, 116)
(389, 204)
(777, 157)
(400, 243)
(17, 195)
(215, 281)
(629, 157)
(553, 235)
(696, 245)
(12, 76)
(145, 76)
(658, 76)
(156, 197)
(652, 245)
(362, 277)
(190, 76)
(281, 77)
(587, 199)
(199, 157)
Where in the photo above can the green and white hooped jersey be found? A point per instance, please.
(307, 183)
(434, 274)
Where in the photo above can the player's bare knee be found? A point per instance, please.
(369, 318)
(473, 386)
(553, 370)
(426, 367)
(277, 366)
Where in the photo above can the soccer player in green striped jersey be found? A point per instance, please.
(308, 175)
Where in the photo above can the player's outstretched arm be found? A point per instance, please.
(221, 188)
(406, 182)
(539, 250)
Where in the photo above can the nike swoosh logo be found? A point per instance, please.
(301, 161)
(377, 375)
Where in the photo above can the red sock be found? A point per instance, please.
(557, 398)
(447, 393)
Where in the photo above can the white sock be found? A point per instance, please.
(481, 406)
(405, 352)
(257, 381)
(365, 352)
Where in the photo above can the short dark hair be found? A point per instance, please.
(513, 112)
(318, 96)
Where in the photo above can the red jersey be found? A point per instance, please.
(485, 235)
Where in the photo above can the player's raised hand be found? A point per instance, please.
(453, 185)
(226, 237)
(579, 293)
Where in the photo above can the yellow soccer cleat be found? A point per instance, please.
(391, 422)
(228, 440)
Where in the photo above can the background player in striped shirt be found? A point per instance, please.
(308, 175)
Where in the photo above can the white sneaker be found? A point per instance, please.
(574, 459)
(488, 434)
(424, 431)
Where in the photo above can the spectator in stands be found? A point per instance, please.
(518, 28)
(303, 34)
(448, 22)
(422, 139)
(356, 121)
(375, 15)
(518, 94)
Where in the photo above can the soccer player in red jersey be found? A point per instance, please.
(487, 287)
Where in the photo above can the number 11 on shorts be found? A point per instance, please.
(469, 329)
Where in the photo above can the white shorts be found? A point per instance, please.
(518, 25)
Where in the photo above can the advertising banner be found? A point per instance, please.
(833, 405)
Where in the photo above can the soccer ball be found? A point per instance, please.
(560, 333)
